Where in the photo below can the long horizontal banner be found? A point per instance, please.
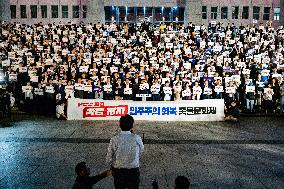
(186, 110)
(189, 110)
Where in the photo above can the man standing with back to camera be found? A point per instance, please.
(123, 155)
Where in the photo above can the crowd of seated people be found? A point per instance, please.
(46, 64)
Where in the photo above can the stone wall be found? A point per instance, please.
(5, 10)
(195, 14)
(192, 12)
(95, 11)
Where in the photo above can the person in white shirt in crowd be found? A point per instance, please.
(207, 90)
(197, 90)
(177, 91)
(250, 98)
(187, 92)
(167, 91)
(123, 155)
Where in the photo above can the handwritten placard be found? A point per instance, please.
(23, 69)
(38, 91)
(230, 90)
(219, 89)
(155, 88)
(250, 89)
(27, 89)
(186, 93)
(83, 69)
(108, 88)
(197, 90)
(34, 78)
(12, 77)
(207, 91)
(49, 89)
(167, 90)
(127, 91)
(88, 88)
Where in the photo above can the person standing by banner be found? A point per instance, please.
(6, 104)
(123, 155)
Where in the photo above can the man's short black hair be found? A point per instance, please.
(126, 122)
(182, 182)
(80, 167)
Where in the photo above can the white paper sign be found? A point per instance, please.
(49, 89)
(186, 93)
(107, 88)
(155, 88)
(26, 88)
(12, 77)
(230, 90)
(113, 69)
(23, 69)
(127, 91)
(167, 90)
(250, 88)
(268, 91)
(218, 89)
(83, 68)
(207, 91)
(38, 91)
(88, 88)
(197, 90)
(34, 79)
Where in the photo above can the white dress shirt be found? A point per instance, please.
(124, 150)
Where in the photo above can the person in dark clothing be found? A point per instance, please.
(84, 180)
(6, 104)
(232, 113)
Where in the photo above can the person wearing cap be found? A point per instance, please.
(84, 180)
(123, 155)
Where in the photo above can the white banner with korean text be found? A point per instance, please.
(186, 110)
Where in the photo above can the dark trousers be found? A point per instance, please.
(126, 178)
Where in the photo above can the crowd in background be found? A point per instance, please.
(45, 64)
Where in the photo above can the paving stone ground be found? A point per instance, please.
(39, 152)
